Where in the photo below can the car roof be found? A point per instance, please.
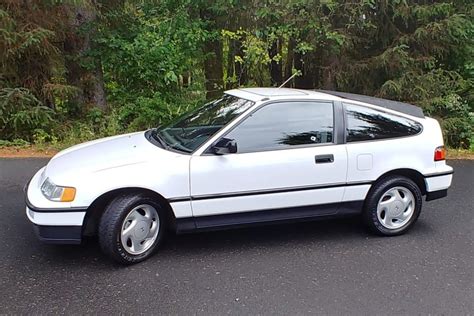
(262, 94)
(257, 94)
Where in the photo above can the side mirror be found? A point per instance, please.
(224, 146)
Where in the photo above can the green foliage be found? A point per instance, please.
(255, 58)
(156, 58)
(21, 112)
(151, 112)
(156, 47)
(456, 120)
(14, 143)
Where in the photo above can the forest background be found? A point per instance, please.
(75, 70)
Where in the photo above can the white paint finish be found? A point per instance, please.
(438, 183)
(266, 201)
(415, 152)
(257, 94)
(364, 162)
(181, 209)
(356, 193)
(56, 218)
(441, 167)
(129, 161)
(268, 170)
(124, 161)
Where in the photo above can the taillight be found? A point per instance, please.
(440, 153)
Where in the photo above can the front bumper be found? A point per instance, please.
(55, 227)
(59, 234)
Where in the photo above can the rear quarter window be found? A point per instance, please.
(363, 124)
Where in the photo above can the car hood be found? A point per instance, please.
(102, 154)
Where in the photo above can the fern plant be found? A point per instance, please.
(20, 113)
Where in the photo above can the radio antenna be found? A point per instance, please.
(287, 80)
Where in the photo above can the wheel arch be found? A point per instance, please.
(411, 174)
(97, 208)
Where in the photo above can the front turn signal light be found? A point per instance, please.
(57, 193)
(440, 153)
(68, 195)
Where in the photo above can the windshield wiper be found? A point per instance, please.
(180, 148)
(158, 138)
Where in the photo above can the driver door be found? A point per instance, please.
(286, 157)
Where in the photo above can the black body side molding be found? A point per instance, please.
(266, 217)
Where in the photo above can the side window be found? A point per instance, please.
(284, 125)
(368, 124)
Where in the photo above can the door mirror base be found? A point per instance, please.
(224, 146)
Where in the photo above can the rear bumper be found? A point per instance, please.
(437, 185)
(430, 196)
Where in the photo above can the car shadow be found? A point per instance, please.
(226, 241)
(341, 232)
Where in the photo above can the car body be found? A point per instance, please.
(267, 155)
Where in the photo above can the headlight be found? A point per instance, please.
(54, 192)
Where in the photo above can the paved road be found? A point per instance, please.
(330, 267)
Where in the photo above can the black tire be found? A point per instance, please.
(111, 224)
(375, 194)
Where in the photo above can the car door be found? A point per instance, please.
(287, 157)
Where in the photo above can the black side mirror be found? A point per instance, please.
(224, 146)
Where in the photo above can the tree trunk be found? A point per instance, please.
(290, 56)
(77, 44)
(306, 80)
(235, 69)
(240, 70)
(213, 62)
(213, 71)
(330, 64)
(276, 70)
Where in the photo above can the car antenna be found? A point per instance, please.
(287, 80)
(283, 84)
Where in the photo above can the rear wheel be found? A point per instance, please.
(392, 206)
(131, 228)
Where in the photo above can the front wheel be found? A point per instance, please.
(131, 228)
(392, 206)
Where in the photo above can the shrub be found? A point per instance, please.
(456, 120)
(21, 113)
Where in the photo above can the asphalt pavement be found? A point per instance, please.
(326, 267)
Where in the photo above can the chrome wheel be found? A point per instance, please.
(396, 207)
(140, 229)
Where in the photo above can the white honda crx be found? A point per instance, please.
(255, 155)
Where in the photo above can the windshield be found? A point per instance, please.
(195, 128)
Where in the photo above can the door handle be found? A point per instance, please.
(324, 158)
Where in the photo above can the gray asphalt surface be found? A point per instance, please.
(328, 267)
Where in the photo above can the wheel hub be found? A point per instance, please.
(396, 207)
(141, 230)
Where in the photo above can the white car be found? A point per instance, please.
(256, 155)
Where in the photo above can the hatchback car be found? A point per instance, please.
(255, 155)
